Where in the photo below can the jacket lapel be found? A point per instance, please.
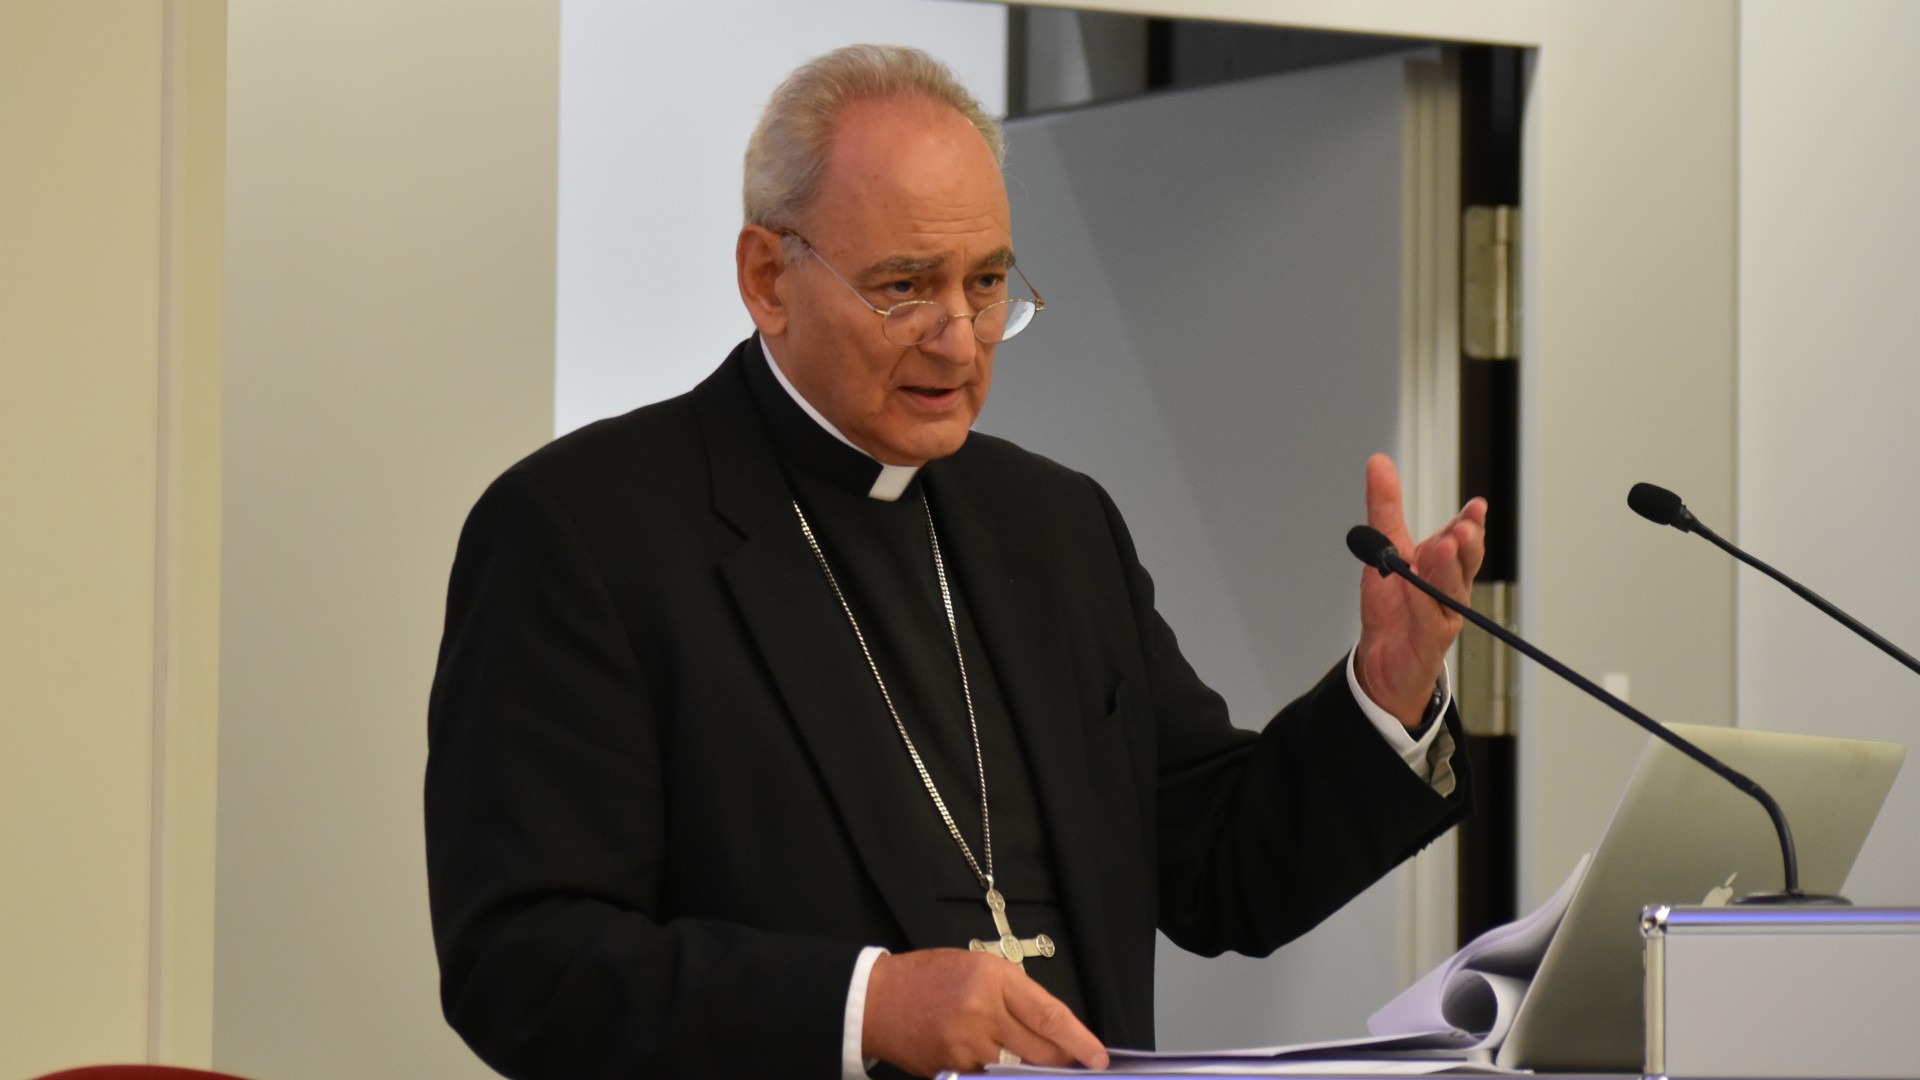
(810, 652)
(1019, 623)
(811, 656)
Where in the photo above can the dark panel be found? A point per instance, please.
(1490, 102)
(1489, 457)
(1486, 848)
(1127, 55)
(1491, 96)
(1017, 61)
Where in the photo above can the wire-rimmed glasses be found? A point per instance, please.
(916, 322)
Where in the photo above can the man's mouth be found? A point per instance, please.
(934, 401)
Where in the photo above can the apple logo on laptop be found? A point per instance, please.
(1720, 894)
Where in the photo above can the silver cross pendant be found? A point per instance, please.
(1010, 946)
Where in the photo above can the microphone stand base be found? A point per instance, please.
(1794, 898)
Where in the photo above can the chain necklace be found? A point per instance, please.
(1009, 945)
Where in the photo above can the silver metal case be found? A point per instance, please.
(1806, 992)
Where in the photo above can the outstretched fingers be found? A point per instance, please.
(1383, 501)
(1403, 635)
(1451, 557)
(1472, 532)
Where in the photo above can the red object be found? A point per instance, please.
(138, 1072)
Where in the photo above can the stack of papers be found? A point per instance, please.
(1450, 1022)
(1478, 990)
(1347, 1057)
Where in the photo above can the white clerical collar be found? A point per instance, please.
(893, 479)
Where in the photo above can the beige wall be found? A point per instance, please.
(180, 1013)
(392, 230)
(108, 347)
(390, 256)
(79, 307)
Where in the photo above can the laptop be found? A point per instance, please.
(1681, 836)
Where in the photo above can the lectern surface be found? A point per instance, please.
(1270, 1073)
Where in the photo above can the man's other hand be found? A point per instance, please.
(935, 1009)
(1404, 635)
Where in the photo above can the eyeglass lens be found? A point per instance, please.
(919, 321)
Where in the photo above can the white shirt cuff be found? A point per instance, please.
(1431, 756)
(852, 1066)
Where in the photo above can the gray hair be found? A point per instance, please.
(788, 151)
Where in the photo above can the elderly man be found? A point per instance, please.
(786, 727)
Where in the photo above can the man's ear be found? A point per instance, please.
(760, 259)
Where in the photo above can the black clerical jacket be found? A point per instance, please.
(663, 815)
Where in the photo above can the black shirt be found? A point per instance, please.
(882, 557)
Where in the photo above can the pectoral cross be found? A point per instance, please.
(1010, 946)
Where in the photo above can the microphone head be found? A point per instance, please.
(1370, 546)
(1658, 505)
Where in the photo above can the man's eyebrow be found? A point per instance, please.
(904, 264)
(1000, 258)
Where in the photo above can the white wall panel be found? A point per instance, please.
(1829, 385)
(1222, 350)
(390, 203)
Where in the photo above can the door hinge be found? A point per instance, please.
(1489, 240)
(1486, 685)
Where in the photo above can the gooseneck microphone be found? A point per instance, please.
(1372, 547)
(1663, 507)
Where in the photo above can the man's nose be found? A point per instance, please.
(955, 342)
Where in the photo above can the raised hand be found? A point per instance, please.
(937, 1009)
(1404, 636)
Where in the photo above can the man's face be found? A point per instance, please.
(910, 207)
